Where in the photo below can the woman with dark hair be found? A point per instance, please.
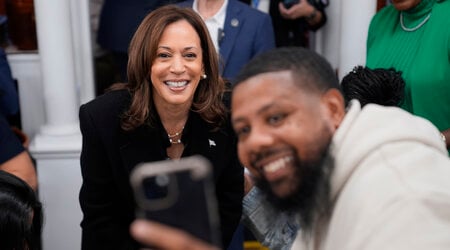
(171, 107)
(20, 214)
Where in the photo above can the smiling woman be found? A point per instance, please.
(177, 68)
(170, 108)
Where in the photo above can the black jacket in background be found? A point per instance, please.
(293, 32)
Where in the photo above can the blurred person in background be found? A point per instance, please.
(238, 31)
(410, 36)
(20, 214)
(292, 20)
(14, 157)
(380, 86)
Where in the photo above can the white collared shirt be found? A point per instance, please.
(263, 5)
(214, 23)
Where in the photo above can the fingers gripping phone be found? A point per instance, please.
(179, 193)
(288, 3)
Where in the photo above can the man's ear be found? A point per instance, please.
(335, 106)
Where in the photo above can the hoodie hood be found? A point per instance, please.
(363, 131)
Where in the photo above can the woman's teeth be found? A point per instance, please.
(176, 84)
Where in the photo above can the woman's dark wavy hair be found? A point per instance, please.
(381, 86)
(311, 71)
(142, 52)
(20, 215)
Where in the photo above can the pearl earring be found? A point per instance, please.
(204, 76)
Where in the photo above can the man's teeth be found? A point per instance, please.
(276, 165)
(176, 84)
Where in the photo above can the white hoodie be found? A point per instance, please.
(390, 185)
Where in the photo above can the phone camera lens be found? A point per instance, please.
(156, 187)
(162, 180)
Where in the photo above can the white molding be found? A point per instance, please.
(49, 146)
(82, 46)
(25, 68)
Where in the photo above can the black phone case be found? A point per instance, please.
(180, 194)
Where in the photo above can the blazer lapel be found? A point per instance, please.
(233, 23)
(201, 141)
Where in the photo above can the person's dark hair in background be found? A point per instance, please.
(381, 86)
(20, 215)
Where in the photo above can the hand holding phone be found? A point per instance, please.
(179, 193)
(288, 3)
(165, 237)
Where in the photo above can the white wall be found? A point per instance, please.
(25, 69)
(59, 184)
(345, 34)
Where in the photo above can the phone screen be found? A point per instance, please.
(180, 194)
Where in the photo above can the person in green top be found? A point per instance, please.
(413, 36)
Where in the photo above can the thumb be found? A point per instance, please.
(165, 237)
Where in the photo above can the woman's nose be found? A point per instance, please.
(177, 65)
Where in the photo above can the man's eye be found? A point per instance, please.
(240, 132)
(274, 119)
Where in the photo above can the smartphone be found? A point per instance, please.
(179, 193)
(288, 3)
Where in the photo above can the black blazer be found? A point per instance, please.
(109, 154)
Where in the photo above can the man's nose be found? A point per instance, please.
(259, 138)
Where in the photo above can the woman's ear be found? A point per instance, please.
(335, 106)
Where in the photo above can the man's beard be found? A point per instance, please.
(311, 198)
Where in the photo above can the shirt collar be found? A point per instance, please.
(219, 17)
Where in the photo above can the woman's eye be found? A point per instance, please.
(163, 55)
(274, 119)
(191, 55)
